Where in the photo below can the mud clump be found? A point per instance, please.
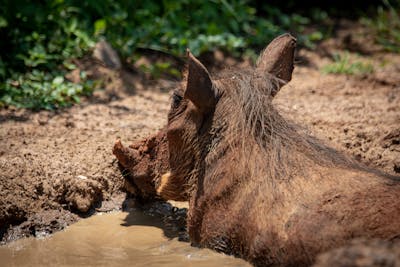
(143, 163)
(41, 224)
(391, 142)
(80, 193)
(47, 206)
(11, 214)
(362, 253)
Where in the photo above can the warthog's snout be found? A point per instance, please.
(145, 161)
(125, 155)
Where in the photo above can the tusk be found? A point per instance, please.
(164, 181)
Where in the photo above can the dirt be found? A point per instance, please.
(58, 166)
(358, 115)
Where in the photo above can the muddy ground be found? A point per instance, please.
(57, 166)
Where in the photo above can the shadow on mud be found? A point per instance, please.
(163, 215)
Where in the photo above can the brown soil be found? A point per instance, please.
(58, 166)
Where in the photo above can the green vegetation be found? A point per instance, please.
(39, 39)
(344, 64)
(40, 90)
(159, 68)
(38, 42)
(386, 26)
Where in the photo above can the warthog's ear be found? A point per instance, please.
(277, 58)
(199, 87)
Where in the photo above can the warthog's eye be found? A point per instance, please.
(176, 100)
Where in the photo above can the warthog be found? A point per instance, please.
(258, 186)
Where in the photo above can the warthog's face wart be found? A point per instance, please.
(200, 112)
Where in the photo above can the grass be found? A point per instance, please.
(386, 26)
(343, 63)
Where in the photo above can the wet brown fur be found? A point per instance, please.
(261, 188)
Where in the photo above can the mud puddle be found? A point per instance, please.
(112, 239)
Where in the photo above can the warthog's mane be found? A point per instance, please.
(267, 144)
(268, 148)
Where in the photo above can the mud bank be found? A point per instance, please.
(57, 167)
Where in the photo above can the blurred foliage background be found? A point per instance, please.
(39, 39)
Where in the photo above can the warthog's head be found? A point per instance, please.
(204, 109)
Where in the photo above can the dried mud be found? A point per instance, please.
(58, 166)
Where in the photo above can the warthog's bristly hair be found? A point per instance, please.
(277, 143)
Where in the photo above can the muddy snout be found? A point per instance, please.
(126, 156)
(143, 163)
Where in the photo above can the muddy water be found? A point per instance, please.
(113, 239)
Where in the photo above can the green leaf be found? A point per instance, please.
(3, 22)
(58, 80)
(316, 36)
(100, 26)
